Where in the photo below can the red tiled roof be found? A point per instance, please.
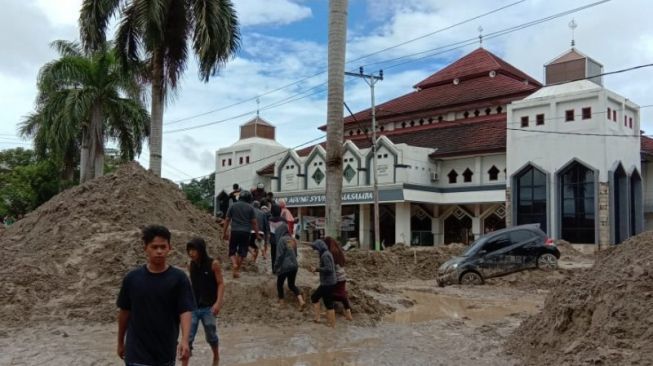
(467, 94)
(479, 61)
(438, 94)
(476, 135)
(266, 170)
(647, 145)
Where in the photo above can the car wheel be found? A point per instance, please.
(471, 278)
(547, 262)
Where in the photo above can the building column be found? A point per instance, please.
(402, 222)
(364, 224)
(604, 215)
(436, 226)
(476, 221)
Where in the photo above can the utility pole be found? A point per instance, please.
(371, 80)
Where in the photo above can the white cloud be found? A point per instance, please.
(614, 34)
(270, 12)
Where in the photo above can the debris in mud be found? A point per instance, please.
(599, 315)
(400, 262)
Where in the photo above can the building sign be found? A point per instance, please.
(347, 198)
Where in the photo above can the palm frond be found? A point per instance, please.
(93, 20)
(216, 36)
(67, 48)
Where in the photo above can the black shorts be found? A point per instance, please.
(252, 241)
(238, 243)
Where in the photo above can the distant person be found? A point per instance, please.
(327, 271)
(208, 287)
(242, 218)
(223, 202)
(286, 214)
(259, 192)
(263, 231)
(286, 266)
(340, 289)
(234, 195)
(275, 222)
(154, 300)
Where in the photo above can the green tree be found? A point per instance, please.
(159, 31)
(200, 192)
(83, 100)
(25, 181)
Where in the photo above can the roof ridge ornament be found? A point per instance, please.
(480, 36)
(573, 25)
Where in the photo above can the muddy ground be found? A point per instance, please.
(63, 263)
(431, 326)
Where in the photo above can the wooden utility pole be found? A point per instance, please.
(335, 127)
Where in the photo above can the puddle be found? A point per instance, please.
(315, 359)
(430, 306)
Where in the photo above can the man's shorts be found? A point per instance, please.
(238, 243)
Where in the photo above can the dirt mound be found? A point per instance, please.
(66, 259)
(598, 316)
(400, 262)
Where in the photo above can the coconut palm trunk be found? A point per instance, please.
(336, 78)
(156, 113)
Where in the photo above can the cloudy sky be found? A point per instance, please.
(283, 61)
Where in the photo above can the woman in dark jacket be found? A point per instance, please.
(285, 263)
(340, 289)
(327, 272)
(274, 221)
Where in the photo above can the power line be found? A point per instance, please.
(492, 35)
(351, 61)
(445, 49)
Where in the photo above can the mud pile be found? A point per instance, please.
(400, 262)
(598, 316)
(66, 259)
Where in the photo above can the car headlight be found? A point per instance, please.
(454, 266)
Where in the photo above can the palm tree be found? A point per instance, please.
(335, 128)
(83, 100)
(159, 31)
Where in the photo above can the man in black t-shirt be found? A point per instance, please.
(153, 300)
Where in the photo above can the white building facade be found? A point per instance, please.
(480, 145)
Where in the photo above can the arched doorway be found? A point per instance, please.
(530, 197)
(421, 232)
(636, 212)
(458, 228)
(493, 222)
(577, 204)
(620, 210)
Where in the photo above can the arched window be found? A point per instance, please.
(493, 173)
(466, 114)
(620, 205)
(453, 176)
(499, 109)
(530, 197)
(577, 202)
(467, 175)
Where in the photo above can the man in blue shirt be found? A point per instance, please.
(153, 300)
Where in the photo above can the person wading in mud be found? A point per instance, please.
(285, 264)
(154, 300)
(327, 272)
(242, 219)
(340, 289)
(275, 222)
(208, 288)
(264, 231)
